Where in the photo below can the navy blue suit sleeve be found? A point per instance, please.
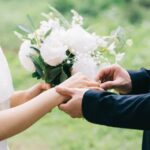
(140, 81)
(124, 111)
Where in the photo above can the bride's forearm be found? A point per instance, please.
(18, 98)
(20, 118)
(17, 119)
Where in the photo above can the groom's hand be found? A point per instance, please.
(79, 80)
(115, 77)
(74, 106)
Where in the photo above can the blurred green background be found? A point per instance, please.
(57, 131)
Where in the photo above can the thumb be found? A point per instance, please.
(62, 107)
(65, 106)
(108, 85)
(65, 91)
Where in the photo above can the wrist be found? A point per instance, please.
(60, 98)
(27, 95)
(126, 89)
(129, 86)
(19, 97)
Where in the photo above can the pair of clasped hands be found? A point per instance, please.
(111, 77)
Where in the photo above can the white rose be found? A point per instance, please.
(87, 66)
(80, 41)
(24, 53)
(53, 51)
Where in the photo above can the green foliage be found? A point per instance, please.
(134, 12)
(63, 5)
(145, 3)
(53, 75)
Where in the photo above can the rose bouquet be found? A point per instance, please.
(58, 48)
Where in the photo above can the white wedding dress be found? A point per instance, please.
(6, 90)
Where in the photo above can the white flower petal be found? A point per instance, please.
(111, 48)
(53, 51)
(87, 66)
(80, 41)
(24, 53)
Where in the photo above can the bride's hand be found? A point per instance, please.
(21, 97)
(36, 90)
(79, 80)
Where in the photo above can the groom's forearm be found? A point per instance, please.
(129, 111)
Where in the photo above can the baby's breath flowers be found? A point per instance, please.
(59, 48)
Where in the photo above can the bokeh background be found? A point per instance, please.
(57, 131)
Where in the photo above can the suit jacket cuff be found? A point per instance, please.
(140, 81)
(90, 104)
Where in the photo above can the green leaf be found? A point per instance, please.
(36, 75)
(33, 41)
(48, 33)
(60, 16)
(31, 22)
(37, 63)
(24, 29)
(35, 48)
(63, 76)
(20, 36)
(52, 73)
